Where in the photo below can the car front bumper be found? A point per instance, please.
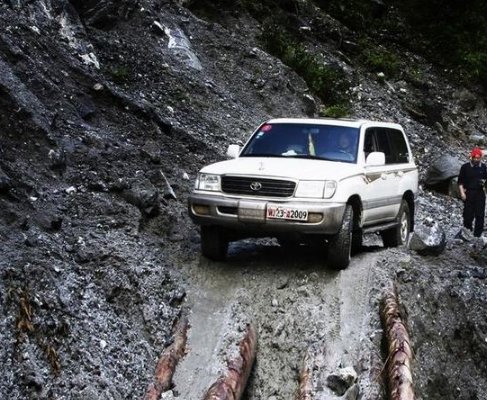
(249, 215)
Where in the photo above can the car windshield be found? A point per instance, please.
(316, 141)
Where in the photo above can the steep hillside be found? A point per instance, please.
(107, 111)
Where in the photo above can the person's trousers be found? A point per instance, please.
(474, 209)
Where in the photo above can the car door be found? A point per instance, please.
(380, 199)
(398, 166)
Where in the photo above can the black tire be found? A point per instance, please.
(399, 235)
(214, 244)
(340, 245)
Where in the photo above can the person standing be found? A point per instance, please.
(471, 180)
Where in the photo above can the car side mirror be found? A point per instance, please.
(376, 158)
(233, 151)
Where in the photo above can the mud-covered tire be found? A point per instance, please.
(214, 244)
(399, 235)
(340, 245)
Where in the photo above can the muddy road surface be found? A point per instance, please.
(298, 306)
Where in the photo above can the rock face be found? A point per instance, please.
(105, 119)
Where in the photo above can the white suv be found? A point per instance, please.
(306, 179)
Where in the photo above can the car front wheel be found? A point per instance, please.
(340, 245)
(214, 244)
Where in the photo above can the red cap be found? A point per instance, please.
(476, 152)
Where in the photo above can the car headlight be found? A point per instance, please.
(316, 189)
(208, 182)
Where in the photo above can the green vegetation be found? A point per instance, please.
(476, 65)
(335, 111)
(120, 74)
(327, 82)
(450, 33)
(415, 77)
(378, 59)
(454, 32)
(282, 39)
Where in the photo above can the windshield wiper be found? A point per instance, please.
(303, 156)
(261, 155)
(308, 156)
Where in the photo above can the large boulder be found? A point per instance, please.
(428, 239)
(442, 174)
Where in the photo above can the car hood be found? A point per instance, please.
(280, 167)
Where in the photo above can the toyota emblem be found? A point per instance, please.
(256, 186)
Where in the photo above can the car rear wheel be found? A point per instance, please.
(399, 235)
(214, 244)
(340, 245)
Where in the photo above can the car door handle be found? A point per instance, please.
(400, 174)
(383, 175)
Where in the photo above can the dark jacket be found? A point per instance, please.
(472, 177)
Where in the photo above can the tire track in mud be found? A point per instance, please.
(210, 300)
(296, 304)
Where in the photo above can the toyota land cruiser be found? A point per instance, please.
(302, 179)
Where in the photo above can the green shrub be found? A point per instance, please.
(120, 74)
(326, 82)
(378, 59)
(454, 33)
(476, 66)
(415, 77)
(336, 111)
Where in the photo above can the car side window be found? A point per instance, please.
(389, 141)
(399, 149)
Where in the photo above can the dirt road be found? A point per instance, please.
(296, 304)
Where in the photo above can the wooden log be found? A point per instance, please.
(400, 354)
(168, 361)
(305, 390)
(231, 385)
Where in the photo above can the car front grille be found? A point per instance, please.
(257, 186)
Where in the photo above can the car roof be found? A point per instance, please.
(355, 123)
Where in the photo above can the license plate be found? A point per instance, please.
(276, 212)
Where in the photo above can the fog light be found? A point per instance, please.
(314, 217)
(201, 209)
